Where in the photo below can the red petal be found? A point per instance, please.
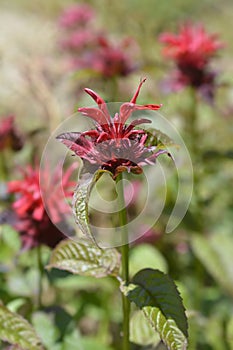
(134, 98)
(76, 142)
(128, 108)
(95, 114)
(100, 102)
(38, 213)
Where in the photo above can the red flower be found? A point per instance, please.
(192, 50)
(111, 60)
(9, 135)
(89, 48)
(113, 145)
(79, 41)
(93, 51)
(76, 16)
(30, 216)
(192, 46)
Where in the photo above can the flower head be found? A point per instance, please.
(92, 50)
(9, 135)
(192, 46)
(30, 216)
(113, 145)
(192, 50)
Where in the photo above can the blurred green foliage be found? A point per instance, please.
(83, 313)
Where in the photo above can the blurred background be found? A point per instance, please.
(49, 52)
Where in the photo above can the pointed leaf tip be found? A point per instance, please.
(156, 294)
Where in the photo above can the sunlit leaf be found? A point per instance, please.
(81, 199)
(15, 304)
(156, 294)
(85, 258)
(14, 329)
(45, 328)
(141, 331)
(145, 255)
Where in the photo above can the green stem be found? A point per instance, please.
(194, 139)
(40, 278)
(125, 261)
(3, 166)
(193, 135)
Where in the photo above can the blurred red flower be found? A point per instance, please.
(113, 145)
(30, 216)
(10, 137)
(111, 60)
(192, 50)
(78, 41)
(76, 16)
(90, 48)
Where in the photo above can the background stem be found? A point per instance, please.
(125, 260)
(40, 278)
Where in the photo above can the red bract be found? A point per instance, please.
(9, 135)
(76, 16)
(113, 145)
(31, 218)
(192, 50)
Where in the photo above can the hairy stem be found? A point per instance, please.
(125, 261)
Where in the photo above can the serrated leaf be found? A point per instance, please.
(156, 294)
(85, 258)
(81, 199)
(17, 331)
(141, 331)
(215, 253)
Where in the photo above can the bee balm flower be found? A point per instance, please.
(113, 145)
(29, 216)
(192, 49)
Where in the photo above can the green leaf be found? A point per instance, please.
(156, 294)
(15, 304)
(215, 252)
(81, 199)
(141, 331)
(157, 138)
(85, 258)
(229, 332)
(72, 341)
(17, 331)
(10, 245)
(145, 255)
(214, 331)
(45, 328)
(89, 343)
